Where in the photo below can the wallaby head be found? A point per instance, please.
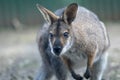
(60, 28)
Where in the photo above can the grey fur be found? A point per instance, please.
(89, 35)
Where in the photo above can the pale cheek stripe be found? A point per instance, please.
(67, 46)
(50, 44)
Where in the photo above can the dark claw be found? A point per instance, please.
(87, 74)
(77, 77)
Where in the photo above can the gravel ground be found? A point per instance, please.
(20, 59)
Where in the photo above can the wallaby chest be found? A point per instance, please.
(76, 55)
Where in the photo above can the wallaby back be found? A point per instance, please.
(88, 30)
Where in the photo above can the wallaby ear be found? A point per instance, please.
(49, 16)
(70, 13)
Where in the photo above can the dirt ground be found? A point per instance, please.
(20, 59)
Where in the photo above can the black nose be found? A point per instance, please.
(57, 50)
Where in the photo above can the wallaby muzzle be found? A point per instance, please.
(57, 47)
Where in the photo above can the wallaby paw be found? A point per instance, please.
(87, 74)
(77, 77)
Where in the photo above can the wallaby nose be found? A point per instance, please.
(57, 50)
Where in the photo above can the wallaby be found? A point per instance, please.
(71, 36)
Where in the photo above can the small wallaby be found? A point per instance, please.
(71, 36)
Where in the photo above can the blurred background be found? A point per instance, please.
(20, 22)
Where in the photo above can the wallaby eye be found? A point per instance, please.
(66, 34)
(51, 35)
